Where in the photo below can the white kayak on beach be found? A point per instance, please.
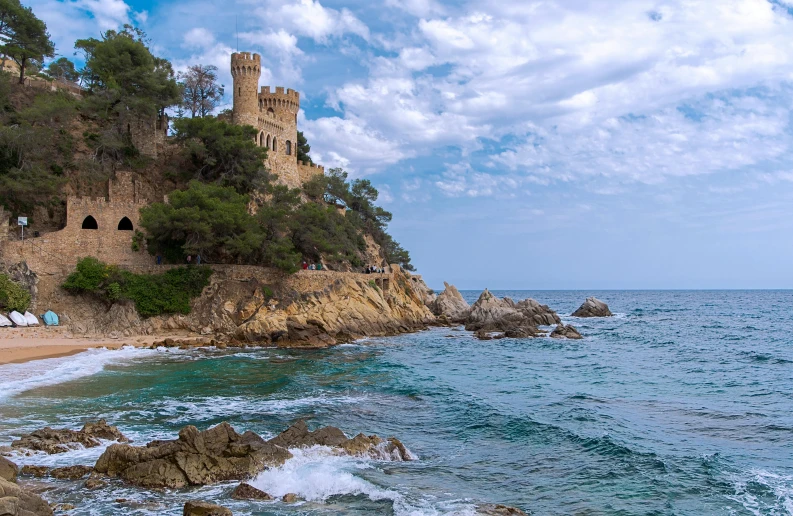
(17, 318)
(31, 319)
(5, 321)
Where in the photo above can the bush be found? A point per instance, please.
(12, 295)
(153, 294)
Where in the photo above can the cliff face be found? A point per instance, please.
(263, 306)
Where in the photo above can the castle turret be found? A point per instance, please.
(246, 68)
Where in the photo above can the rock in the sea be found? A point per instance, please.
(248, 492)
(94, 483)
(491, 314)
(593, 307)
(35, 471)
(289, 498)
(8, 470)
(15, 501)
(71, 472)
(491, 509)
(525, 332)
(566, 332)
(197, 508)
(51, 440)
(299, 436)
(450, 305)
(195, 458)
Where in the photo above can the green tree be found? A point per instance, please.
(209, 220)
(303, 148)
(63, 69)
(275, 218)
(221, 153)
(24, 37)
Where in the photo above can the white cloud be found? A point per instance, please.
(309, 18)
(109, 14)
(199, 37)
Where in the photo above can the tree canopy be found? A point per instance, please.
(63, 69)
(23, 36)
(303, 148)
(201, 93)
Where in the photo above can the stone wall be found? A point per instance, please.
(306, 171)
(114, 220)
(149, 135)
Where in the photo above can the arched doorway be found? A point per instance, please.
(90, 223)
(125, 224)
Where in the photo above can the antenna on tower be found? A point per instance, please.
(237, 30)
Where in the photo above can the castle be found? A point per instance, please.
(274, 115)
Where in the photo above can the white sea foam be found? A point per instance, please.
(17, 378)
(771, 493)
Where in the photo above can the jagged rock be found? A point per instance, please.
(289, 498)
(197, 508)
(71, 472)
(566, 332)
(8, 470)
(195, 458)
(15, 501)
(593, 307)
(299, 436)
(450, 305)
(35, 471)
(521, 333)
(492, 314)
(483, 335)
(499, 510)
(63, 507)
(248, 492)
(51, 440)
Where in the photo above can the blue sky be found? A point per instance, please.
(529, 144)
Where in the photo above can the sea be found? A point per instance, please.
(680, 404)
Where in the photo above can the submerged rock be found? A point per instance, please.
(15, 501)
(491, 509)
(289, 498)
(51, 440)
(593, 307)
(566, 332)
(450, 305)
(71, 472)
(197, 508)
(195, 458)
(35, 471)
(248, 492)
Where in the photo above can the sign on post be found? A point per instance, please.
(22, 221)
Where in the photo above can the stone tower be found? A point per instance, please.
(246, 68)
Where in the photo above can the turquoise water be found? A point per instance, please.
(681, 404)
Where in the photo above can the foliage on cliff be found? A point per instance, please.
(12, 295)
(153, 294)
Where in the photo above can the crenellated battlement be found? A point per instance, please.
(245, 64)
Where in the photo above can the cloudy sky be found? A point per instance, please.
(529, 144)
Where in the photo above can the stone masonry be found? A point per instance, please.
(99, 227)
(274, 115)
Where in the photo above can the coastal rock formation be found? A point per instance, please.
(198, 508)
(195, 458)
(593, 307)
(21, 274)
(450, 304)
(8, 470)
(566, 332)
(290, 498)
(248, 492)
(71, 472)
(51, 440)
(490, 314)
(299, 436)
(15, 501)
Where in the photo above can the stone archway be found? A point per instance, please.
(125, 224)
(90, 223)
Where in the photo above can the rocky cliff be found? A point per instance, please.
(263, 306)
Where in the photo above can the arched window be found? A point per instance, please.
(261, 139)
(268, 141)
(275, 145)
(288, 148)
(125, 224)
(270, 110)
(90, 223)
(239, 91)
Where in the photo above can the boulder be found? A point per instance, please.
(35, 471)
(51, 440)
(15, 501)
(566, 332)
(71, 472)
(490, 314)
(289, 498)
(195, 458)
(492, 509)
(94, 483)
(593, 307)
(8, 470)
(450, 305)
(525, 332)
(248, 492)
(197, 508)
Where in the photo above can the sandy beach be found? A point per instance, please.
(19, 345)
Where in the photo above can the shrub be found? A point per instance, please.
(153, 294)
(12, 295)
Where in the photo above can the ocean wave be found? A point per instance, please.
(762, 492)
(17, 378)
